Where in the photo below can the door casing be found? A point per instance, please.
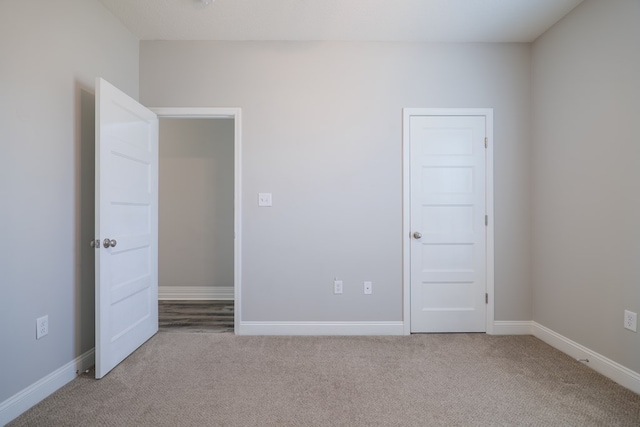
(406, 205)
(224, 113)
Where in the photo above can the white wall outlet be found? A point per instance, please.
(630, 320)
(368, 288)
(265, 199)
(42, 326)
(337, 287)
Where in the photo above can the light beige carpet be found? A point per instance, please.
(190, 379)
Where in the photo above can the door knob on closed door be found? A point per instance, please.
(109, 243)
(417, 235)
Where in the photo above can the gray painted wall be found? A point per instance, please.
(196, 203)
(51, 54)
(586, 169)
(322, 131)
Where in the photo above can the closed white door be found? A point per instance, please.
(126, 226)
(447, 223)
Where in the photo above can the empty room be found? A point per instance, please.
(428, 212)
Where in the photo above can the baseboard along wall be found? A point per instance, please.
(599, 363)
(320, 328)
(513, 327)
(11, 408)
(195, 293)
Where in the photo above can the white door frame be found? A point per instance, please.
(224, 113)
(406, 204)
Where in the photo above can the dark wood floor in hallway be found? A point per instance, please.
(211, 316)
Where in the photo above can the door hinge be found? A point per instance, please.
(486, 142)
(486, 220)
(486, 298)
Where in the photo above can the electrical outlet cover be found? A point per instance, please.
(630, 320)
(368, 288)
(42, 326)
(337, 286)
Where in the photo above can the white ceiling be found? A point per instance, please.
(345, 20)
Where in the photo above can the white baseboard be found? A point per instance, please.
(11, 408)
(321, 328)
(195, 293)
(513, 327)
(607, 367)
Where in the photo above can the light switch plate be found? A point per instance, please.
(264, 199)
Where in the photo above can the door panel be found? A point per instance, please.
(448, 260)
(126, 212)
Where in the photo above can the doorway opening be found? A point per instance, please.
(199, 205)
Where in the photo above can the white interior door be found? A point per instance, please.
(126, 226)
(447, 222)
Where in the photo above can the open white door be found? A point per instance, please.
(126, 226)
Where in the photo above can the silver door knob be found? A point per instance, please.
(109, 243)
(417, 235)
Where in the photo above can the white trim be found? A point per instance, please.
(195, 293)
(236, 114)
(22, 401)
(197, 112)
(512, 327)
(406, 207)
(599, 363)
(488, 112)
(406, 219)
(321, 328)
